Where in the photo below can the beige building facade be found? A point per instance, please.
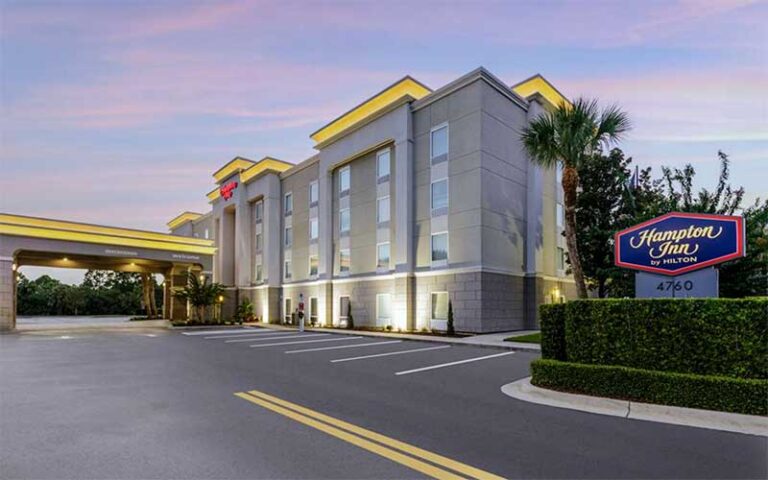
(415, 199)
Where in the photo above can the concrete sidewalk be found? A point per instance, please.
(489, 340)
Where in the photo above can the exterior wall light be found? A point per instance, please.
(13, 267)
(65, 259)
(221, 298)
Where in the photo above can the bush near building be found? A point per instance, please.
(699, 353)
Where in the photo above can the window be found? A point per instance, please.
(440, 247)
(287, 312)
(439, 144)
(382, 165)
(560, 258)
(559, 174)
(288, 203)
(560, 216)
(258, 210)
(313, 263)
(314, 193)
(440, 197)
(440, 306)
(287, 269)
(382, 210)
(207, 234)
(383, 255)
(344, 261)
(313, 310)
(258, 242)
(258, 272)
(314, 229)
(343, 310)
(344, 180)
(288, 237)
(344, 220)
(383, 308)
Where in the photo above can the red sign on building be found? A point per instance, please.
(227, 190)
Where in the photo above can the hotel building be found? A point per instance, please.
(414, 198)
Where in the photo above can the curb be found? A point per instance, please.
(416, 338)
(689, 417)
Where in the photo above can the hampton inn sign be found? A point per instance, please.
(678, 243)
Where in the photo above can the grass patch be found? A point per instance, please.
(530, 338)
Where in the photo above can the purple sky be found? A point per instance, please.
(119, 112)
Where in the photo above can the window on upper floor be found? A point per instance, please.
(288, 203)
(560, 258)
(207, 234)
(382, 165)
(440, 197)
(382, 254)
(314, 193)
(344, 180)
(258, 273)
(440, 247)
(258, 241)
(382, 210)
(439, 144)
(288, 239)
(560, 216)
(344, 220)
(344, 260)
(314, 262)
(258, 211)
(314, 229)
(287, 272)
(559, 174)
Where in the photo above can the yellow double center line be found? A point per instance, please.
(377, 443)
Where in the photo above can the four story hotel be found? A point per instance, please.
(414, 199)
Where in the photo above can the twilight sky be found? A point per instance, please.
(118, 112)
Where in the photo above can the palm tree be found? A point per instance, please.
(565, 137)
(200, 294)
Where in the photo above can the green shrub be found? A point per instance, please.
(726, 337)
(726, 394)
(553, 331)
(450, 329)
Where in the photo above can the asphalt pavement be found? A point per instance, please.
(165, 404)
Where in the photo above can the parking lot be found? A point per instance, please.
(261, 403)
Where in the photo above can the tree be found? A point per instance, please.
(603, 181)
(566, 137)
(200, 294)
(744, 276)
(450, 330)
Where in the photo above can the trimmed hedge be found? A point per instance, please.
(737, 395)
(724, 337)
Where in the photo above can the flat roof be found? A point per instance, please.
(183, 218)
(405, 87)
(50, 229)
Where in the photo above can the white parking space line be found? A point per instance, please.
(304, 341)
(244, 334)
(276, 338)
(443, 365)
(343, 346)
(390, 353)
(210, 332)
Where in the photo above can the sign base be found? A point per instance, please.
(699, 284)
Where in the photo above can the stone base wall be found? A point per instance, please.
(266, 302)
(482, 302)
(7, 296)
(539, 290)
(362, 297)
